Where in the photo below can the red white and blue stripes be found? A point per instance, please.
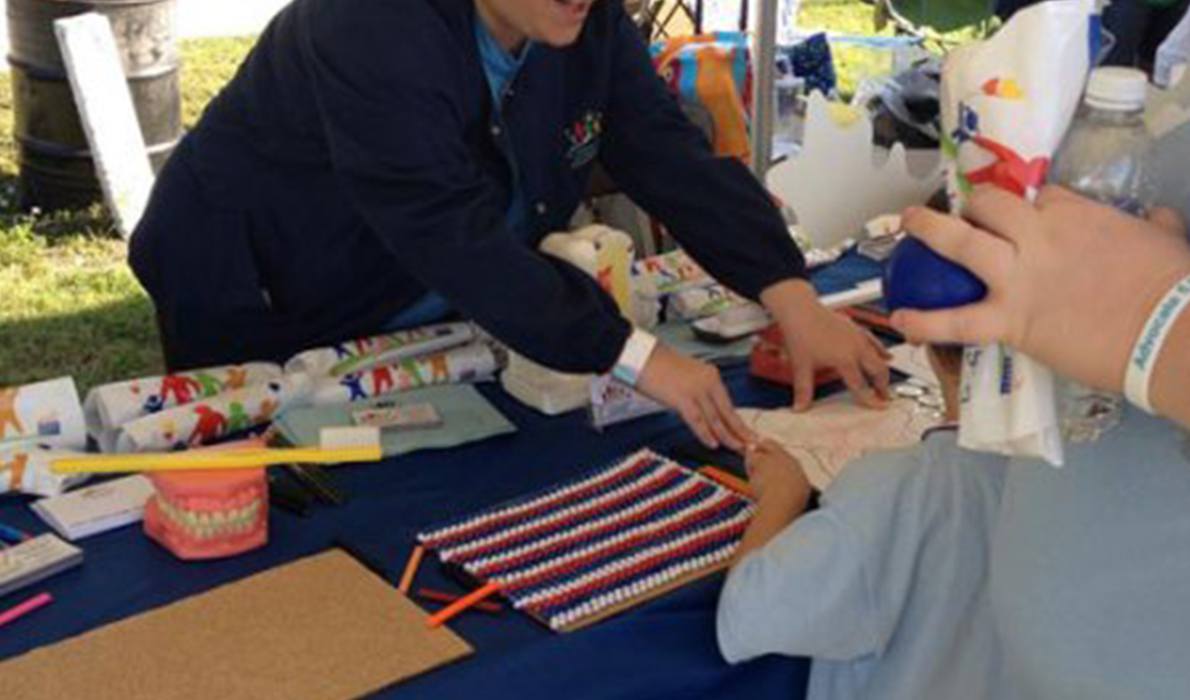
(601, 542)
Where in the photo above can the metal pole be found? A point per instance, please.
(764, 54)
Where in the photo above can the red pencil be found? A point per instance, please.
(487, 606)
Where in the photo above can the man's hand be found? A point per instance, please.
(817, 337)
(695, 390)
(1070, 282)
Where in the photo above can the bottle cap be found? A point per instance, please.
(1116, 88)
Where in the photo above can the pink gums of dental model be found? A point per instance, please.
(207, 514)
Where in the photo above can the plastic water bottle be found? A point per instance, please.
(1108, 152)
(1107, 156)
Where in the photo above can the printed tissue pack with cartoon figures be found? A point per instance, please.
(39, 422)
(1006, 105)
(112, 406)
(206, 406)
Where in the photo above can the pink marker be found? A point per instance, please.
(38, 601)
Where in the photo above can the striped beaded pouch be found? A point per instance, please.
(581, 551)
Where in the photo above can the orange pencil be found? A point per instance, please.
(450, 611)
(411, 569)
(731, 481)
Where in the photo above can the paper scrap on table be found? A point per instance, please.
(390, 348)
(836, 432)
(47, 413)
(112, 405)
(1006, 104)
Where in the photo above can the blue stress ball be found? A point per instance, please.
(916, 277)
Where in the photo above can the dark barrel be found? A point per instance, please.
(56, 167)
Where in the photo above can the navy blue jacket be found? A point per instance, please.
(356, 161)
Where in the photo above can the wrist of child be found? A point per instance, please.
(789, 501)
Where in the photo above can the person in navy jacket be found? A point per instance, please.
(377, 164)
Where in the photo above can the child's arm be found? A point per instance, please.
(806, 588)
(794, 588)
(781, 491)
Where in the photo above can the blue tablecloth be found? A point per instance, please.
(665, 648)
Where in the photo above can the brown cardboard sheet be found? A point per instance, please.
(320, 627)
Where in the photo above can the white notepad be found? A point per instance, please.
(35, 559)
(97, 508)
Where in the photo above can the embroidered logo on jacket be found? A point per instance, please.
(583, 137)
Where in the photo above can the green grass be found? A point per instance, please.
(68, 303)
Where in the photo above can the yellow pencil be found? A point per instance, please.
(232, 459)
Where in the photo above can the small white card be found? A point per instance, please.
(409, 417)
(97, 508)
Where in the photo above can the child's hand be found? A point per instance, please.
(775, 476)
(781, 490)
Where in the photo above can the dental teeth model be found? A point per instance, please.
(208, 514)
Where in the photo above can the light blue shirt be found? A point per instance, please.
(938, 573)
(885, 585)
(501, 68)
(1091, 569)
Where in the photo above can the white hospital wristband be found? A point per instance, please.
(1148, 346)
(634, 356)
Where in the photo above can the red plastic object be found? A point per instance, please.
(770, 361)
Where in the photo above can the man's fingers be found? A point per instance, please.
(877, 345)
(722, 434)
(1168, 220)
(999, 212)
(876, 368)
(1054, 194)
(983, 254)
(697, 422)
(803, 380)
(857, 384)
(727, 412)
(977, 324)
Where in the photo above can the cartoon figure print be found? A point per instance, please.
(182, 387)
(208, 385)
(354, 383)
(382, 380)
(237, 377)
(15, 469)
(211, 426)
(8, 412)
(439, 369)
(237, 418)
